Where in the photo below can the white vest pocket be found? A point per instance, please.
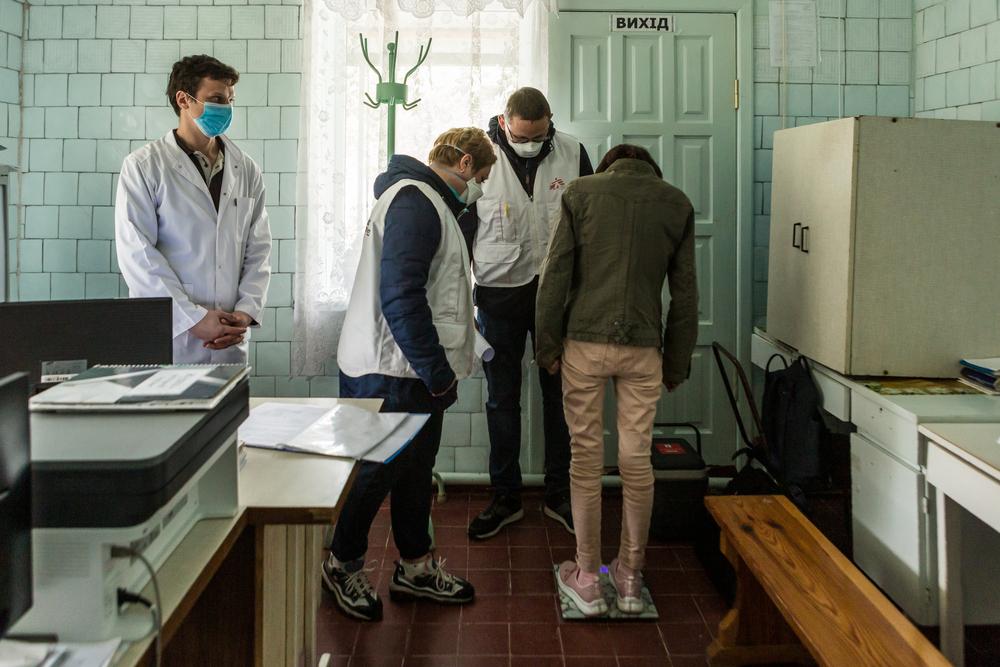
(493, 260)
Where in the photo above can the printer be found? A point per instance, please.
(134, 479)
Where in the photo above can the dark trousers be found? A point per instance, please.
(407, 477)
(507, 331)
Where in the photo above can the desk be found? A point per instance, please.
(893, 506)
(963, 465)
(244, 591)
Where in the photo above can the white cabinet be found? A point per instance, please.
(884, 235)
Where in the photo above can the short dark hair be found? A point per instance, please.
(527, 103)
(188, 72)
(627, 152)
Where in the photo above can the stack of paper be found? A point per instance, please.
(345, 430)
(114, 388)
(981, 374)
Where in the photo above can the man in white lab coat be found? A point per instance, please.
(190, 221)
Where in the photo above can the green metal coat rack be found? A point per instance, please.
(389, 92)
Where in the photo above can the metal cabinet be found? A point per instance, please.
(882, 232)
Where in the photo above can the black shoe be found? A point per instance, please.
(352, 590)
(502, 511)
(429, 580)
(560, 510)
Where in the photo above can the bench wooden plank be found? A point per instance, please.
(837, 613)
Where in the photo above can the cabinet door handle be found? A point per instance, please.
(805, 248)
(795, 235)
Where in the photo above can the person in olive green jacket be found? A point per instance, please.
(623, 231)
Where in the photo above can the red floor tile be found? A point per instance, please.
(583, 661)
(520, 535)
(376, 661)
(535, 639)
(533, 609)
(484, 639)
(379, 639)
(431, 661)
(586, 639)
(530, 558)
(686, 638)
(532, 582)
(489, 558)
(490, 582)
(536, 661)
(486, 609)
(435, 639)
(677, 609)
(515, 619)
(483, 661)
(638, 639)
(446, 536)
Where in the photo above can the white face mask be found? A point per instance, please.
(527, 149)
(473, 191)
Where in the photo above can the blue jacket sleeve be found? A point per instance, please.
(586, 168)
(412, 236)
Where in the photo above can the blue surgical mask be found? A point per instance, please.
(215, 118)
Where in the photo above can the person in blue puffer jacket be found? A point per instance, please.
(408, 339)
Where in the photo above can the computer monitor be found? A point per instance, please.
(50, 340)
(15, 501)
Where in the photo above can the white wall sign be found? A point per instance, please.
(642, 23)
(793, 33)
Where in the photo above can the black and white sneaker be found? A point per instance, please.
(560, 510)
(351, 589)
(502, 511)
(428, 579)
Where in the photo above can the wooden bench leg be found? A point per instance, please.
(753, 632)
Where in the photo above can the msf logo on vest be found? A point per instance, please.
(557, 184)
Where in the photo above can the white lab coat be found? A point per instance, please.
(172, 242)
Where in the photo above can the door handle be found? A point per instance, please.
(795, 235)
(805, 247)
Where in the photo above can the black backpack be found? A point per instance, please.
(792, 426)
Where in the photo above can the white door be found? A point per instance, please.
(673, 93)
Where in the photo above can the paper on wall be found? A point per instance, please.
(793, 33)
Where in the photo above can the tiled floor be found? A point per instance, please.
(515, 618)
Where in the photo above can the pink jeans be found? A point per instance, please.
(637, 373)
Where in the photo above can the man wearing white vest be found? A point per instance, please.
(408, 338)
(520, 204)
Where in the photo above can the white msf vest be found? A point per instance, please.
(513, 233)
(366, 344)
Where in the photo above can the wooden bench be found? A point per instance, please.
(799, 600)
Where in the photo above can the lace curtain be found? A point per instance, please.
(481, 52)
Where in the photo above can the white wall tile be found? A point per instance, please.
(958, 87)
(80, 22)
(84, 90)
(895, 34)
(61, 122)
(948, 53)
(60, 188)
(161, 56)
(95, 189)
(80, 154)
(110, 155)
(972, 47)
(180, 22)
(75, 222)
(117, 90)
(264, 56)
(60, 55)
(128, 55)
(51, 90)
(113, 21)
(281, 22)
(993, 41)
(232, 52)
(128, 123)
(95, 55)
(862, 66)
(150, 90)
(956, 16)
(248, 22)
(44, 22)
(146, 23)
(894, 68)
(214, 23)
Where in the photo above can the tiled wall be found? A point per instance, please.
(865, 48)
(94, 79)
(11, 31)
(957, 59)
